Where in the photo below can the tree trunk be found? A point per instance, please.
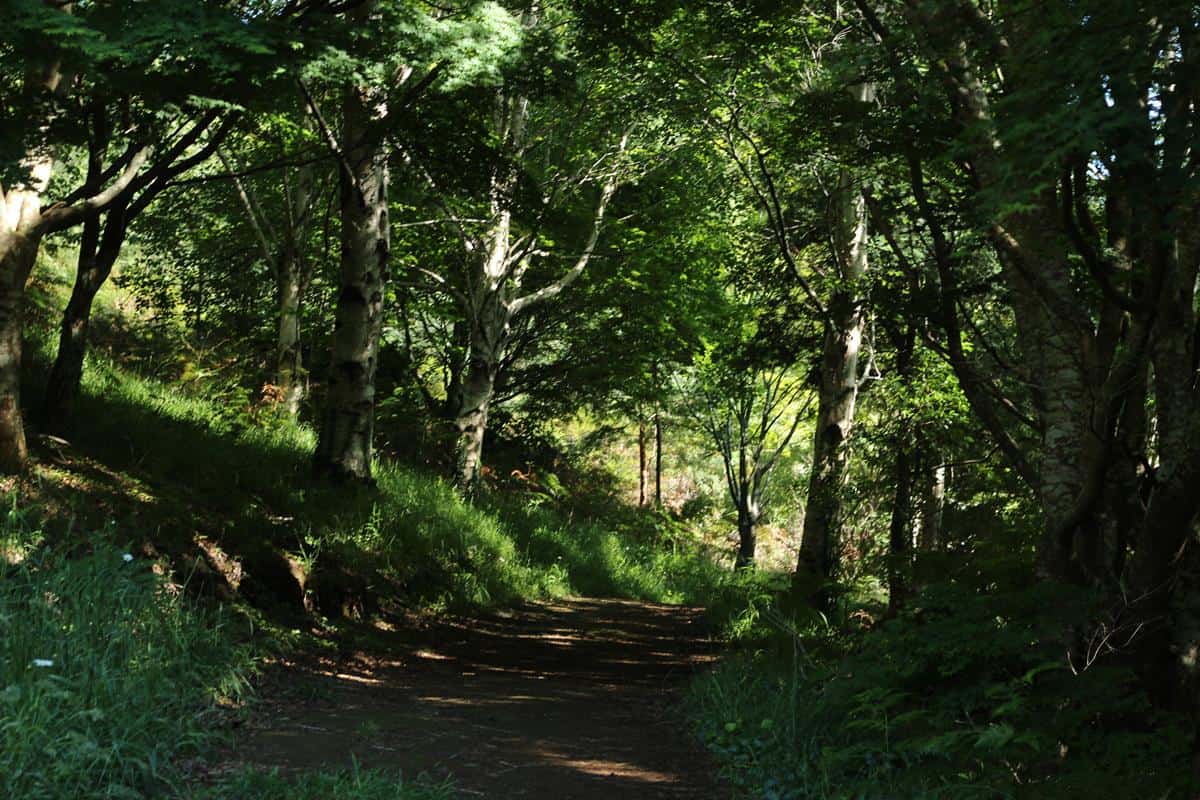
(1069, 368)
(286, 252)
(1158, 569)
(97, 255)
(489, 338)
(16, 262)
(289, 372)
(658, 443)
(641, 463)
(835, 419)
(933, 501)
(1169, 658)
(900, 531)
(344, 448)
(747, 541)
(837, 394)
(21, 230)
(471, 421)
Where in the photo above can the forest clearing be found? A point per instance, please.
(429, 399)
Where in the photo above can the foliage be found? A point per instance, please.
(967, 694)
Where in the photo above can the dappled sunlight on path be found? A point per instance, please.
(572, 699)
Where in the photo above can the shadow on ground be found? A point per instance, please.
(563, 701)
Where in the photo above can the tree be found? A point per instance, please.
(838, 379)
(394, 55)
(542, 164)
(60, 64)
(1067, 137)
(284, 243)
(832, 279)
(744, 410)
(199, 134)
(786, 127)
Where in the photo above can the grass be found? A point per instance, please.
(112, 679)
(351, 784)
(108, 676)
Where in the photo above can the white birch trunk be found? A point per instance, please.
(344, 449)
(289, 371)
(836, 398)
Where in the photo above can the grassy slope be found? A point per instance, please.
(175, 475)
(113, 683)
(196, 476)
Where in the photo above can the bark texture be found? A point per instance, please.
(344, 447)
(97, 255)
(838, 383)
(489, 337)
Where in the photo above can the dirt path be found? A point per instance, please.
(564, 701)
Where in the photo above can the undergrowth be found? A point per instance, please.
(350, 784)
(410, 538)
(107, 676)
(967, 694)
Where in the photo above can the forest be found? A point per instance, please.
(422, 399)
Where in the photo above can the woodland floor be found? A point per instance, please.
(565, 701)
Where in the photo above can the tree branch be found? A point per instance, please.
(252, 214)
(547, 292)
(60, 216)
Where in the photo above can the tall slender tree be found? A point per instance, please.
(838, 378)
